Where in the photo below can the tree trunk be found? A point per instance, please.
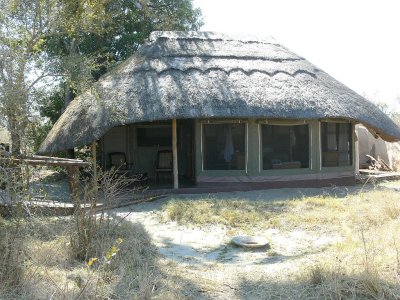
(69, 95)
(68, 98)
(15, 135)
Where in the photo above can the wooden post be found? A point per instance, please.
(73, 174)
(175, 154)
(94, 166)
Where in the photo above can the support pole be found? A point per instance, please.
(94, 166)
(73, 180)
(175, 154)
(94, 162)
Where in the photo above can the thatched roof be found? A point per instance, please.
(210, 75)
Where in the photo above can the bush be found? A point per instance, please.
(91, 255)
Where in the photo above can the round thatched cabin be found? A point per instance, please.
(236, 111)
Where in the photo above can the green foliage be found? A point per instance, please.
(23, 24)
(113, 30)
(133, 21)
(92, 36)
(75, 40)
(51, 107)
(36, 133)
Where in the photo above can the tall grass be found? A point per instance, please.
(45, 257)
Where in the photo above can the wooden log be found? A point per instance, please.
(377, 164)
(384, 165)
(48, 162)
(175, 154)
(54, 163)
(41, 157)
(127, 203)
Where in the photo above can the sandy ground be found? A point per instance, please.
(220, 270)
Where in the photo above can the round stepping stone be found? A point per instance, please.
(249, 241)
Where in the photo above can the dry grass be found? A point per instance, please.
(131, 270)
(312, 213)
(306, 211)
(364, 264)
(38, 257)
(233, 213)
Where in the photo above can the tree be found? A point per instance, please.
(78, 40)
(93, 36)
(23, 24)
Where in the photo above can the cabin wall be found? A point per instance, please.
(142, 158)
(123, 139)
(115, 140)
(254, 172)
(145, 156)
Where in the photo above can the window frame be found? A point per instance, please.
(260, 138)
(152, 126)
(224, 122)
(351, 151)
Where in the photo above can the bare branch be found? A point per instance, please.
(44, 75)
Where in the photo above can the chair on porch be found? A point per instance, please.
(163, 163)
(118, 161)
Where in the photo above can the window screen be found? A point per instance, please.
(285, 147)
(336, 142)
(224, 146)
(154, 136)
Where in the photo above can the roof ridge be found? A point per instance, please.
(214, 36)
(233, 57)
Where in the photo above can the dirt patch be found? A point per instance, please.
(205, 253)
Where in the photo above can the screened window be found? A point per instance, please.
(224, 146)
(285, 147)
(336, 142)
(154, 136)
